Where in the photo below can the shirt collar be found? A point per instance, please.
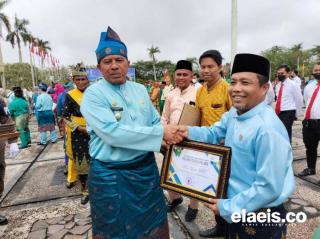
(218, 83)
(115, 87)
(185, 90)
(251, 113)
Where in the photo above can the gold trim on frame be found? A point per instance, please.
(219, 150)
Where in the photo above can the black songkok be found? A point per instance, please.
(245, 62)
(184, 65)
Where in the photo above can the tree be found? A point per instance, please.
(294, 56)
(18, 74)
(297, 52)
(315, 51)
(144, 69)
(31, 41)
(194, 62)
(43, 47)
(4, 20)
(18, 34)
(152, 51)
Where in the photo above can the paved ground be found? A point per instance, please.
(39, 205)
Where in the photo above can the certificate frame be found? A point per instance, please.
(11, 135)
(168, 182)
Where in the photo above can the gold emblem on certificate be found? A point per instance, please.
(197, 170)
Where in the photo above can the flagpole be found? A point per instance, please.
(3, 79)
(234, 23)
(31, 64)
(35, 69)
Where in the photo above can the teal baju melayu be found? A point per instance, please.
(125, 196)
(19, 111)
(261, 166)
(45, 118)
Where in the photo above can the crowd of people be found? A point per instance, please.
(112, 128)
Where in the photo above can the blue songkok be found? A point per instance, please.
(110, 44)
(43, 86)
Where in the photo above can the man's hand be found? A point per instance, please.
(171, 134)
(213, 205)
(183, 131)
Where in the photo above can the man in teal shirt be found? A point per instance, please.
(124, 127)
(261, 167)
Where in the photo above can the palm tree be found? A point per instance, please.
(43, 47)
(18, 34)
(315, 51)
(5, 21)
(31, 41)
(194, 61)
(152, 51)
(276, 49)
(297, 53)
(297, 47)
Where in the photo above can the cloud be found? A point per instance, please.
(180, 28)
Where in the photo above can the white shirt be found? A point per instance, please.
(270, 95)
(197, 85)
(297, 80)
(291, 96)
(307, 94)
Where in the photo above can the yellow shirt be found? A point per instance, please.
(214, 103)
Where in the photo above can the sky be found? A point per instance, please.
(180, 28)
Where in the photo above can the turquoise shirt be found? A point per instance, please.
(261, 166)
(18, 106)
(44, 102)
(121, 120)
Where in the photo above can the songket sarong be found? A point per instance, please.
(46, 121)
(126, 200)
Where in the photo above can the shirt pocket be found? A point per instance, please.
(216, 107)
(243, 137)
(143, 111)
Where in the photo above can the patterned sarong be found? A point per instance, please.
(46, 121)
(127, 201)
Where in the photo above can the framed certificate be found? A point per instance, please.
(196, 170)
(11, 135)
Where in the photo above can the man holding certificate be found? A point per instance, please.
(261, 177)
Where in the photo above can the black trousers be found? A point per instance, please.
(311, 137)
(2, 165)
(287, 117)
(221, 225)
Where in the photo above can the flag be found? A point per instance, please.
(32, 48)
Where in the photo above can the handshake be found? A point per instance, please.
(174, 134)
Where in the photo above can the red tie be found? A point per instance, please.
(313, 97)
(278, 104)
